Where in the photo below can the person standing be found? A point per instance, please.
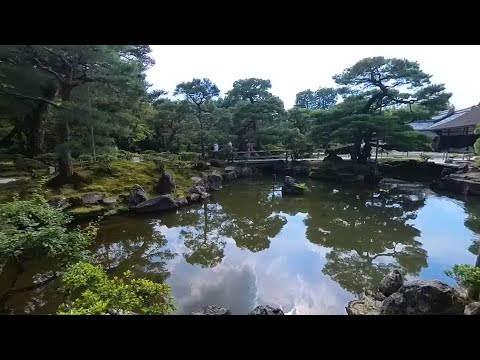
(229, 152)
(215, 151)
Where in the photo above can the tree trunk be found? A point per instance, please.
(35, 125)
(65, 162)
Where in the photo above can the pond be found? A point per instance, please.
(248, 245)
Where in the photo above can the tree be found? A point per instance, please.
(321, 99)
(100, 295)
(372, 86)
(252, 90)
(199, 92)
(32, 229)
(70, 67)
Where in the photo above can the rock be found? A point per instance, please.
(266, 310)
(59, 202)
(464, 169)
(197, 180)
(193, 198)
(230, 176)
(109, 201)
(446, 172)
(365, 306)
(214, 182)
(75, 201)
(230, 169)
(217, 162)
(201, 165)
(181, 202)
(93, 198)
(333, 158)
(160, 203)
(291, 187)
(212, 310)
(246, 172)
(421, 297)
(197, 193)
(472, 309)
(137, 195)
(391, 283)
(166, 184)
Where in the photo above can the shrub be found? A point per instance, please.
(99, 295)
(189, 156)
(467, 276)
(27, 164)
(48, 158)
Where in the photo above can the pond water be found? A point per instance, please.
(248, 245)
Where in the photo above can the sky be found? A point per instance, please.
(294, 68)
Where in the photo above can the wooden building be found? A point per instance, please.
(451, 129)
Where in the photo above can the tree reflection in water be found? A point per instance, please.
(141, 250)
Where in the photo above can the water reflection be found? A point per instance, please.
(310, 255)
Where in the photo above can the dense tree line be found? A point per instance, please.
(78, 99)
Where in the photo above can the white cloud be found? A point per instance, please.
(293, 68)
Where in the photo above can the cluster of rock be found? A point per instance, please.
(396, 296)
(458, 179)
(259, 310)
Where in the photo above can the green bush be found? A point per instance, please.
(34, 229)
(99, 295)
(189, 156)
(467, 276)
(27, 164)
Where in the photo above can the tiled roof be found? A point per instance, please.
(449, 119)
(466, 117)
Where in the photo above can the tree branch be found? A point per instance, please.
(51, 71)
(26, 97)
(57, 55)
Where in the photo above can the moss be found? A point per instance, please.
(85, 211)
(123, 175)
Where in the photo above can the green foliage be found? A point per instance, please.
(26, 164)
(99, 295)
(467, 276)
(189, 156)
(34, 229)
(321, 99)
(252, 90)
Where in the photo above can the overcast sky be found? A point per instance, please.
(293, 68)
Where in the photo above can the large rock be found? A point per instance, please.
(93, 198)
(197, 193)
(246, 172)
(109, 201)
(266, 310)
(214, 182)
(160, 203)
(197, 180)
(421, 297)
(333, 158)
(181, 202)
(230, 176)
(365, 306)
(472, 309)
(137, 195)
(391, 283)
(59, 202)
(212, 310)
(291, 187)
(166, 184)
